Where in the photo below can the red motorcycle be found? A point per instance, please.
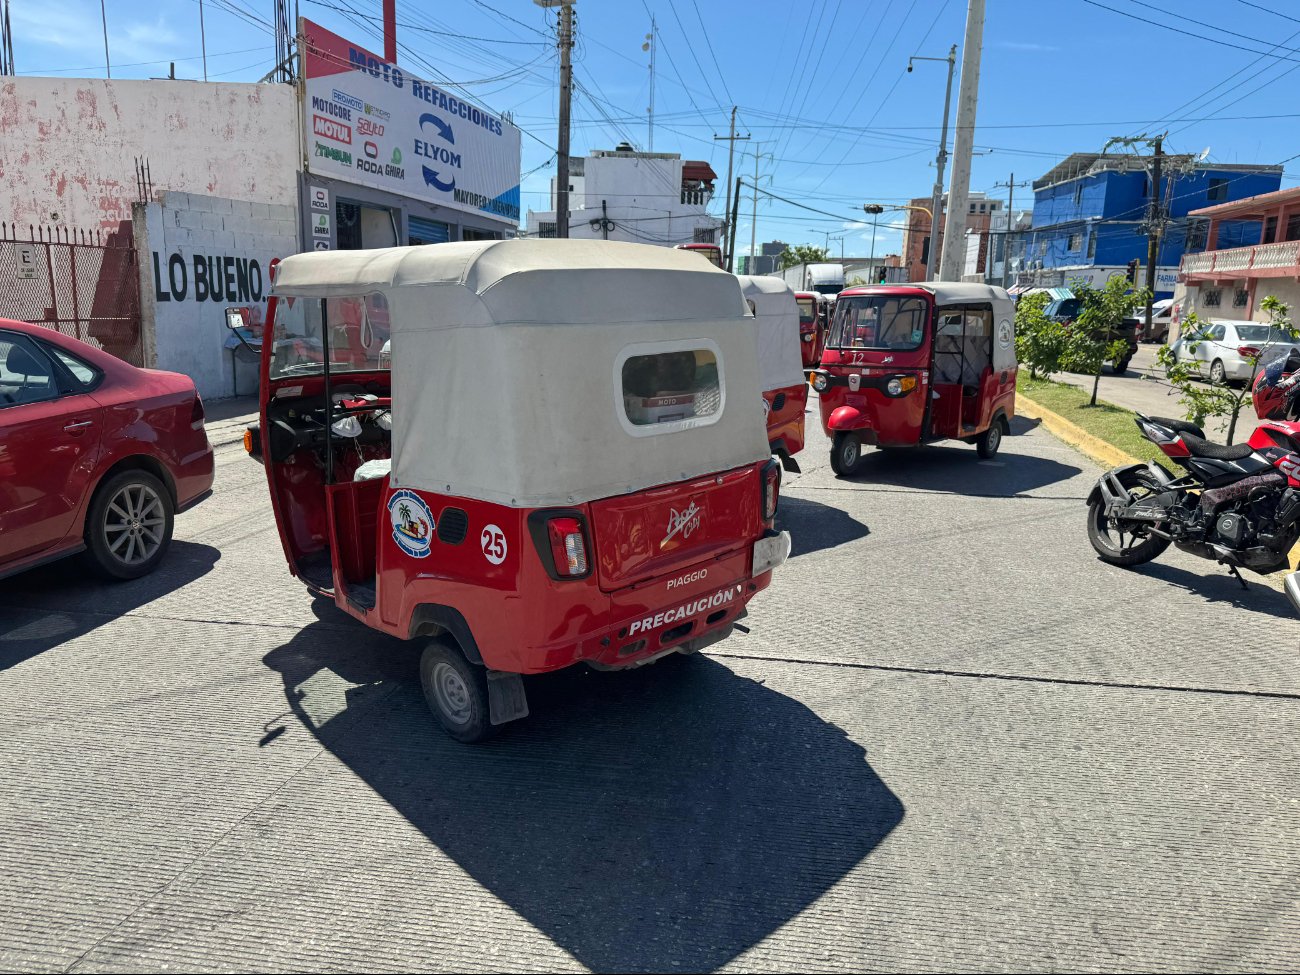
(1237, 505)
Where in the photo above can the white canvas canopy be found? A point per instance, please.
(1004, 313)
(506, 356)
(776, 315)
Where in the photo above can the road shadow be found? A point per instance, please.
(954, 468)
(50, 605)
(661, 819)
(814, 526)
(1217, 586)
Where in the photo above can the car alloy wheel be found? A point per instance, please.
(133, 524)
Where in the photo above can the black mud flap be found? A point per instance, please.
(506, 698)
(790, 464)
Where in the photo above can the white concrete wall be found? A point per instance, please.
(643, 198)
(198, 256)
(68, 146)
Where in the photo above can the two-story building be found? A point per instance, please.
(1090, 214)
(646, 197)
(1251, 250)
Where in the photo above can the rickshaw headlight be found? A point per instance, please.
(820, 382)
(900, 385)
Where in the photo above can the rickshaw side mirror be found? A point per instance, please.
(236, 318)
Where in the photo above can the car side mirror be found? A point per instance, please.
(236, 318)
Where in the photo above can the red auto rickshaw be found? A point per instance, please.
(710, 252)
(912, 364)
(785, 386)
(812, 327)
(565, 464)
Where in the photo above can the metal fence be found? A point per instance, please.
(84, 283)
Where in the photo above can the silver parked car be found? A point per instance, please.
(1225, 348)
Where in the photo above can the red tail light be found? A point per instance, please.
(1249, 351)
(771, 488)
(568, 547)
(197, 415)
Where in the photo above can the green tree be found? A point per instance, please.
(1040, 341)
(803, 254)
(1096, 335)
(1197, 396)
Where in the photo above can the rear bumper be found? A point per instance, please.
(652, 620)
(194, 475)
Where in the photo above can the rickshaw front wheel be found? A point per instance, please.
(846, 453)
(456, 691)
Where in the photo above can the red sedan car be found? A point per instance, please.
(95, 454)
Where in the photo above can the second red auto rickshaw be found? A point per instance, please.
(911, 364)
(785, 387)
(566, 464)
(812, 327)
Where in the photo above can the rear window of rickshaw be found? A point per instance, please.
(358, 334)
(807, 310)
(671, 386)
(879, 322)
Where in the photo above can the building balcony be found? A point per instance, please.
(1279, 260)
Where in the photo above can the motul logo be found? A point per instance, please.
(328, 128)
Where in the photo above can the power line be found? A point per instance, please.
(431, 30)
(1269, 10)
(709, 41)
(1179, 30)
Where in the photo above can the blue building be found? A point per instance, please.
(1090, 213)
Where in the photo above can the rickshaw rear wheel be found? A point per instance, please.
(846, 453)
(456, 691)
(988, 442)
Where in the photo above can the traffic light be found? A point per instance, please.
(1133, 271)
(873, 208)
(880, 274)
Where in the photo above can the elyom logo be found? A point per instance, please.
(371, 150)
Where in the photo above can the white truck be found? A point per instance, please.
(826, 279)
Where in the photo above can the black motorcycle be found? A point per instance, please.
(1234, 505)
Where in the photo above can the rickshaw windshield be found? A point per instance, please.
(807, 310)
(358, 332)
(895, 322)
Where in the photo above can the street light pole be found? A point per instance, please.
(936, 196)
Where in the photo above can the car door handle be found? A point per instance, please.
(77, 425)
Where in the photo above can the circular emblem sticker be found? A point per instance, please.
(412, 523)
(1004, 333)
(767, 407)
(493, 541)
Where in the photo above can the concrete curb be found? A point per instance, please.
(1071, 433)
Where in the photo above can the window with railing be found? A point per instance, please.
(1212, 297)
(1240, 298)
(546, 228)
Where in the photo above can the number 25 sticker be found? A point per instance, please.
(493, 541)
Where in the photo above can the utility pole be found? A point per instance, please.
(731, 246)
(753, 220)
(1155, 223)
(954, 238)
(936, 196)
(566, 91)
(6, 43)
(103, 16)
(1011, 185)
(649, 45)
(731, 139)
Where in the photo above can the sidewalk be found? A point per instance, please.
(228, 418)
(1144, 389)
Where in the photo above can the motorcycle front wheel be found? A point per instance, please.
(1119, 542)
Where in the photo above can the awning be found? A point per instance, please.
(693, 169)
(1060, 294)
(1016, 289)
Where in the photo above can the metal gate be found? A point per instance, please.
(84, 283)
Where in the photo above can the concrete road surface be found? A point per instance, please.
(952, 740)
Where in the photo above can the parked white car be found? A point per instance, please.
(1223, 347)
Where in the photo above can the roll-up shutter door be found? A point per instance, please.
(428, 231)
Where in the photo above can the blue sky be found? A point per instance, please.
(821, 85)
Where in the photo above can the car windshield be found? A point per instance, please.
(1065, 308)
(1262, 333)
(358, 331)
(879, 322)
(807, 310)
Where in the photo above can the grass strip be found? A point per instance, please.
(1105, 421)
